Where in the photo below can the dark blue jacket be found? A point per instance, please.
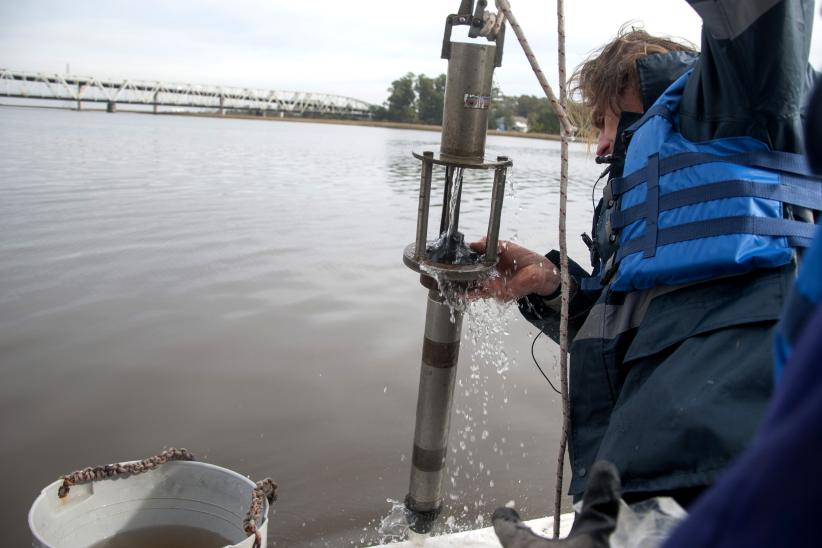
(772, 495)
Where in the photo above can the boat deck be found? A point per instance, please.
(482, 538)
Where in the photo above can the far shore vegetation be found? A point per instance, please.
(418, 99)
(415, 101)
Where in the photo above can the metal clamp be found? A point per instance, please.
(464, 17)
(608, 195)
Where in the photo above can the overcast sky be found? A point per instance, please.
(354, 48)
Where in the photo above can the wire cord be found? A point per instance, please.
(533, 356)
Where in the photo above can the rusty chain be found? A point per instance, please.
(266, 489)
(96, 473)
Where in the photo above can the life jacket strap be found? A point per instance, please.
(783, 162)
(790, 190)
(651, 207)
(798, 233)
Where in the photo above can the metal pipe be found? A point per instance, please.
(497, 195)
(446, 196)
(440, 353)
(462, 146)
(425, 200)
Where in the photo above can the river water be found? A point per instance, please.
(236, 287)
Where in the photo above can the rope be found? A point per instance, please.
(266, 489)
(567, 130)
(96, 473)
(563, 268)
(564, 120)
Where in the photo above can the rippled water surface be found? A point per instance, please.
(236, 287)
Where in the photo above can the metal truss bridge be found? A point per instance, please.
(80, 89)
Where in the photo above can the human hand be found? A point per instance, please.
(521, 272)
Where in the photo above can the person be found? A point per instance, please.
(670, 367)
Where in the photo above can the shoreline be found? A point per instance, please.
(366, 123)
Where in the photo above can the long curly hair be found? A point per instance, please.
(611, 70)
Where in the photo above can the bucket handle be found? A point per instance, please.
(96, 473)
(265, 489)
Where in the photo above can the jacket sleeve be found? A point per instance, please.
(544, 311)
(752, 75)
(752, 70)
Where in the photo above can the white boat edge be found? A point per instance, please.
(482, 538)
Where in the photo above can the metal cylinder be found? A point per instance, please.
(440, 352)
(467, 100)
(497, 195)
(425, 200)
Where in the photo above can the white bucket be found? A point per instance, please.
(178, 493)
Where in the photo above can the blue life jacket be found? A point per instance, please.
(685, 212)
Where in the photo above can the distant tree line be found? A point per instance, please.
(413, 99)
(419, 99)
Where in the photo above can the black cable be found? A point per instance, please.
(537, 363)
(593, 190)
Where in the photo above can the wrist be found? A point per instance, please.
(551, 283)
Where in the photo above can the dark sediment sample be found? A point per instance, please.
(451, 250)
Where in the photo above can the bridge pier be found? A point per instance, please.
(156, 106)
(79, 95)
(222, 105)
(111, 106)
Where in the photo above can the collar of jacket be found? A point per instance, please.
(658, 71)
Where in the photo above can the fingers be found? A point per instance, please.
(521, 272)
(478, 246)
(513, 283)
(539, 278)
(502, 247)
(492, 288)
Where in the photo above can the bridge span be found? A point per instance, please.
(88, 89)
